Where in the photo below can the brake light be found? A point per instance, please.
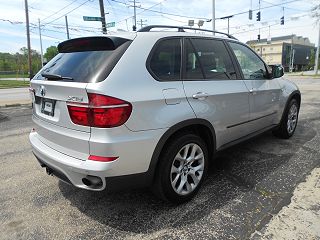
(101, 111)
(102, 159)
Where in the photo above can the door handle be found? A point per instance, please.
(200, 95)
(253, 90)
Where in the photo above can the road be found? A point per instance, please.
(247, 185)
(14, 96)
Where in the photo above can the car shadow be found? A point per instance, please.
(235, 172)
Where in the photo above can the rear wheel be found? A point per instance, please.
(289, 121)
(182, 168)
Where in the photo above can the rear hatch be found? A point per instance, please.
(63, 81)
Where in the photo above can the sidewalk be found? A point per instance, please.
(17, 79)
(301, 218)
(14, 96)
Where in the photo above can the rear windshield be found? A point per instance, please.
(83, 65)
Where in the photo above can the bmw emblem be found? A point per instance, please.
(42, 91)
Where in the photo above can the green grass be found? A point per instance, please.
(13, 84)
(14, 76)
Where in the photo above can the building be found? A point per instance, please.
(282, 50)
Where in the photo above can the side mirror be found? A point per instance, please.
(277, 71)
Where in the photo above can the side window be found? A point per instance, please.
(208, 59)
(251, 65)
(193, 66)
(165, 62)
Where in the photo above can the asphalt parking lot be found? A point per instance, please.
(247, 185)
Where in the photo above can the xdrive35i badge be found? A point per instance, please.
(74, 99)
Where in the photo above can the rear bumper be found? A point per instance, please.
(129, 169)
(72, 168)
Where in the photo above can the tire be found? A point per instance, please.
(182, 167)
(289, 121)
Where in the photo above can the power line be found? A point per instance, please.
(146, 9)
(46, 36)
(59, 10)
(67, 12)
(299, 10)
(184, 16)
(252, 30)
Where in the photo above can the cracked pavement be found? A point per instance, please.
(248, 185)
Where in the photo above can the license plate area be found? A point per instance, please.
(47, 106)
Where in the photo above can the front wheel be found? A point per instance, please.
(289, 121)
(182, 168)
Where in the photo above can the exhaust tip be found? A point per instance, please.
(92, 181)
(49, 171)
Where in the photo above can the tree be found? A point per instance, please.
(51, 52)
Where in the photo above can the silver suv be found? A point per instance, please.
(152, 108)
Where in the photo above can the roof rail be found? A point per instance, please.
(181, 29)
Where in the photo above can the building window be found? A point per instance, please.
(271, 48)
(263, 49)
(258, 50)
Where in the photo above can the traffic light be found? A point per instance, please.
(282, 20)
(250, 14)
(258, 37)
(258, 16)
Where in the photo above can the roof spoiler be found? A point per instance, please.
(91, 44)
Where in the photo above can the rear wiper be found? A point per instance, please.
(55, 76)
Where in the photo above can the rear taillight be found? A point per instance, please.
(101, 111)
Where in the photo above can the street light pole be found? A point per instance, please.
(28, 39)
(316, 65)
(213, 16)
(40, 43)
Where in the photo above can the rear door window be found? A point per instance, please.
(89, 60)
(208, 59)
(165, 61)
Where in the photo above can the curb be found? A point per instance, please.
(16, 105)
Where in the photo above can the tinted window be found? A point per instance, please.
(209, 59)
(251, 65)
(165, 62)
(84, 66)
(193, 66)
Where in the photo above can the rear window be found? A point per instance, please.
(84, 60)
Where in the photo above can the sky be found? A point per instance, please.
(169, 12)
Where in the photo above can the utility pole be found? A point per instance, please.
(142, 23)
(135, 16)
(213, 16)
(28, 39)
(103, 17)
(68, 36)
(134, 26)
(40, 43)
(316, 65)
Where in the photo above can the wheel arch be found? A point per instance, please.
(294, 95)
(201, 127)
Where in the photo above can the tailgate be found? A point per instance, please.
(50, 101)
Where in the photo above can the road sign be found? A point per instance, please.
(110, 24)
(86, 18)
